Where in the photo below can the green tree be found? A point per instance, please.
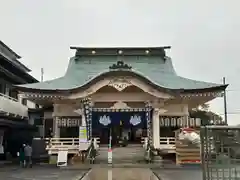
(207, 117)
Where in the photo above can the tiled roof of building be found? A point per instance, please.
(157, 69)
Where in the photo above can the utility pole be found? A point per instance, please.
(225, 102)
(43, 121)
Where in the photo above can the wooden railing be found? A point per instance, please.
(167, 143)
(72, 145)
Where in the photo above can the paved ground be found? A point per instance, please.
(143, 174)
(98, 173)
(179, 174)
(120, 174)
(40, 173)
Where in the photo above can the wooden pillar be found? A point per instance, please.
(156, 128)
(186, 115)
(56, 129)
(83, 129)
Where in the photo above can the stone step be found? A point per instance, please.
(122, 154)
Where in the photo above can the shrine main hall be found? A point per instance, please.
(125, 92)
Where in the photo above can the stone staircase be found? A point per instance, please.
(130, 154)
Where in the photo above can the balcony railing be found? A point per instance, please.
(12, 106)
(72, 145)
(167, 144)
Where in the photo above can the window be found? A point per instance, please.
(37, 106)
(7, 89)
(13, 94)
(24, 102)
(2, 87)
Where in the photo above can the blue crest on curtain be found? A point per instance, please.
(124, 119)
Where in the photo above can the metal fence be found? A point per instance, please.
(220, 149)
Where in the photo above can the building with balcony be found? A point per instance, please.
(13, 109)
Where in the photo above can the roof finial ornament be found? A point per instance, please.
(120, 65)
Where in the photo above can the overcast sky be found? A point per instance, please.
(204, 35)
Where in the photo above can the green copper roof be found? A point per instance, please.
(82, 70)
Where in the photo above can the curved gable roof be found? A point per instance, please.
(158, 71)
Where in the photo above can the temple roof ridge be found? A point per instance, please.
(119, 47)
(120, 51)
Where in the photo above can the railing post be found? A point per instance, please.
(95, 142)
(50, 143)
(145, 141)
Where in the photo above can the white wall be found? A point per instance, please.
(64, 110)
(31, 104)
(175, 110)
(11, 105)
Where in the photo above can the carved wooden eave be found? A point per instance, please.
(118, 110)
(119, 107)
(120, 83)
(120, 65)
(79, 111)
(205, 94)
(43, 96)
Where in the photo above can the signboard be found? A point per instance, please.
(62, 158)
(82, 134)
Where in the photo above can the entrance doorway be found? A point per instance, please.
(69, 132)
(128, 126)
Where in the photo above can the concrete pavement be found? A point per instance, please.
(40, 173)
(99, 173)
(179, 174)
(120, 174)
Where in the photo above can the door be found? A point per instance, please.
(104, 135)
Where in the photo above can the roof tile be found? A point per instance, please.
(81, 70)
